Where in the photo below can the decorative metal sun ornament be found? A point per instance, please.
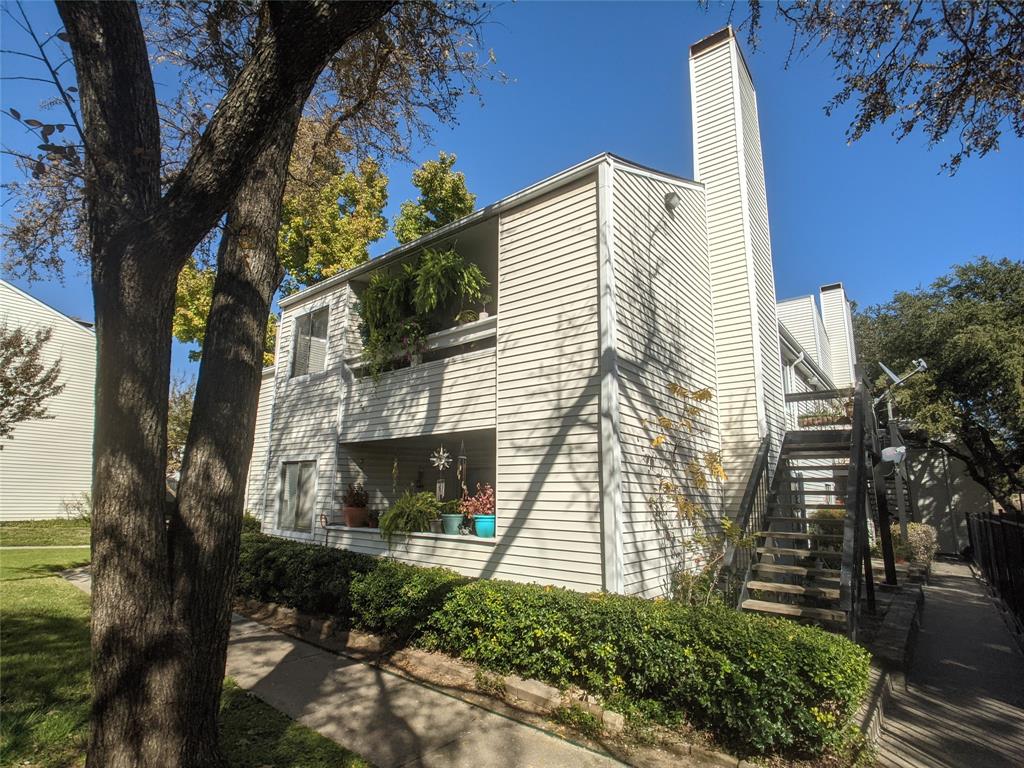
(441, 459)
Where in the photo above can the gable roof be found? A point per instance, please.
(80, 325)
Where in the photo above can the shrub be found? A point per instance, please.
(921, 545)
(762, 684)
(309, 578)
(395, 599)
(250, 524)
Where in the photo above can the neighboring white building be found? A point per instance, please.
(48, 463)
(611, 282)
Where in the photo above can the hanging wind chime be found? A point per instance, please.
(462, 469)
(442, 460)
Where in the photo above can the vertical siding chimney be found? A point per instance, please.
(727, 159)
(838, 319)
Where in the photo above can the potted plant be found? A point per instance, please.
(467, 316)
(451, 517)
(354, 502)
(413, 512)
(483, 314)
(479, 508)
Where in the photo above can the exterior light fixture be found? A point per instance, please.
(672, 201)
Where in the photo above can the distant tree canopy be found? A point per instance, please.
(443, 199)
(179, 416)
(330, 217)
(26, 382)
(969, 328)
(954, 69)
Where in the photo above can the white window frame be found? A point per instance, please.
(282, 485)
(293, 372)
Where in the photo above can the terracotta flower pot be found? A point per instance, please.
(356, 517)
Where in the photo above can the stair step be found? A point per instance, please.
(800, 535)
(796, 570)
(827, 593)
(801, 611)
(790, 552)
(839, 469)
(805, 505)
(808, 520)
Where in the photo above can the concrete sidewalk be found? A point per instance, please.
(389, 720)
(964, 700)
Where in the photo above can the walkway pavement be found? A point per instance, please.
(389, 720)
(963, 706)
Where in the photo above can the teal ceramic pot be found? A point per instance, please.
(484, 525)
(450, 524)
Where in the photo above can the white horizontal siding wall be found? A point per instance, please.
(449, 395)
(798, 317)
(49, 461)
(802, 319)
(664, 336)
(255, 487)
(760, 245)
(548, 389)
(304, 425)
(835, 311)
(727, 159)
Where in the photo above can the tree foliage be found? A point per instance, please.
(179, 416)
(443, 199)
(954, 69)
(327, 230)
(26, 382)
(969, 328)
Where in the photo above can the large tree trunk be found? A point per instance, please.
(157, 638)
(135, 700)
(206, 529)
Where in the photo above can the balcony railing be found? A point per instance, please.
(451, 390)
(824, 409)
(446, 343)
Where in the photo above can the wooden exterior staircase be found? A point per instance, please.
(803, 552)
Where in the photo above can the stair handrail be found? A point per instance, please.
(738, 556)
(855, 545)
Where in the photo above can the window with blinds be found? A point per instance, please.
(309, 354)
(298, 495)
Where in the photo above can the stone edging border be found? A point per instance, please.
(528, 701)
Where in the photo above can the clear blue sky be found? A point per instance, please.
(594, 77)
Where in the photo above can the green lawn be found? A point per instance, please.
(44, 680)
(26, 533)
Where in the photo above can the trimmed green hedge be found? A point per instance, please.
(761, 684)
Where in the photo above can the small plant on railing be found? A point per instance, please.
(837, 412)
(479, 505)
(683, 479)
(412, 513)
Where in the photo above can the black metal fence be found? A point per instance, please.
(997, 544)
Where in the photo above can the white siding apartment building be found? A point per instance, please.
(48, 463)
(611, 282)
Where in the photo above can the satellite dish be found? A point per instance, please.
(890, 374)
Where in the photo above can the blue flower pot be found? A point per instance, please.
(450, 524)
(484, 525)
